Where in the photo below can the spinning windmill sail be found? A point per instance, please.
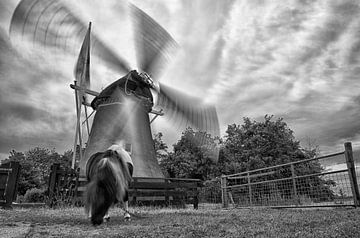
(82, 67)
(50, 24)
(121, 108)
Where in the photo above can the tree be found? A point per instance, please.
(35, 166)
(249, 146)
(28, 177)
(259, 144)
(160, 147)
(192, 156)
(255, 145)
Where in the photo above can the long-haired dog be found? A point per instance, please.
(108, 177)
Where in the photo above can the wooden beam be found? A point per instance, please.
(157, 113)
(86, 104)
(86, 120)
(88, 91)
(78, 128)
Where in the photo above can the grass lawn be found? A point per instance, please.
(205, 222)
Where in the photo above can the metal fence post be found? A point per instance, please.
(224, 194)
(293, 175)
(352, 174)
(250, 191)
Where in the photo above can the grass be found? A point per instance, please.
(205, 222)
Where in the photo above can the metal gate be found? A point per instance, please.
(295, 184)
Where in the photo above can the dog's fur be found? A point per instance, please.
(108, 177)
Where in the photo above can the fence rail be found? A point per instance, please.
(302, 183)
(66, 187)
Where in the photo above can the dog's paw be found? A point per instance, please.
(106, 218)
(127, 217)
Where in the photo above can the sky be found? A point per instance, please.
(298, 60)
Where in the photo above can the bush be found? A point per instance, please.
(20, 199)
(35, 195)
(211, 191)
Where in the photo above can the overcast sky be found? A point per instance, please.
(293, 59)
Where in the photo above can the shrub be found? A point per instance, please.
(35, 195)
(211, 191)
(20, 199)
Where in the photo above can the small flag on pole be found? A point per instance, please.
(82, 67)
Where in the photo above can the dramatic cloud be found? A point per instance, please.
(293, 59)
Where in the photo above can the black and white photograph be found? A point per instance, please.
(179, 118)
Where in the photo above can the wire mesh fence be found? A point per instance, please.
(297, 184)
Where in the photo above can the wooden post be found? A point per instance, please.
(52, 184)
(196, 198)
(15, 174)
(134, 200)
(250, 191)
(10, 190)
(293, 175)
(87, 122)
(224, 194)
(78, 129)
(167, 198)
(160, 113)
(231, 198)
(352, 174)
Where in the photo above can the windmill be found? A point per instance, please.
(122, 108)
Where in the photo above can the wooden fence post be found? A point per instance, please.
(10, 189)
(196, 198)
(224, 194)
(134, 199)
(167, 198)
(14, 178)
(52, 183)
(352, 174)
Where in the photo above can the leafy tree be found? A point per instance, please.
(35, 166)
(192, 156)
(255, 145)
(258, 144)
(28, 177)
(249, 146)
(160, 147)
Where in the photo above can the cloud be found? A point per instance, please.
(295, 59)
(34, 102)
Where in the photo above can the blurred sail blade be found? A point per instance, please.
(82, 67)
(51, 25)
(154, 45)
(182, 109)
(109, 57)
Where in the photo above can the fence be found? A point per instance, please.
(63, 186)
(66, 187)
(298, 184)
(9, 175)
(164, 191)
